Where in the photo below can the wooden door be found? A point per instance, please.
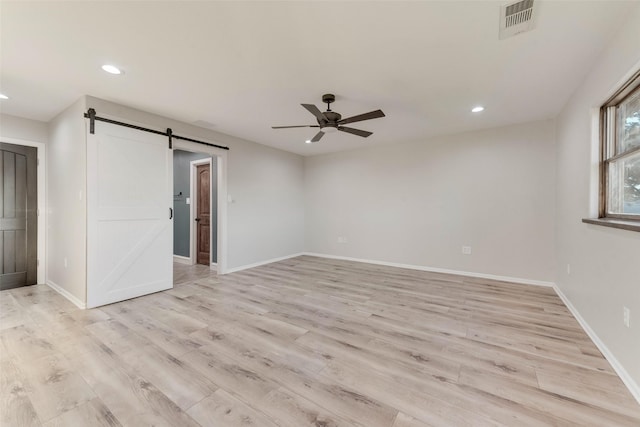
(203, 214)
(18, 216)
(129, 214)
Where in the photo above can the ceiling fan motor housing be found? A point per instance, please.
(331, 117)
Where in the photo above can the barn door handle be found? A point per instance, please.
(170, 213)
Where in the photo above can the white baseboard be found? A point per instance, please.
(257, 264)
(633, 387)
(437, 270)
(66, 294)
(182, 260)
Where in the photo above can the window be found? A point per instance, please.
(620, 166)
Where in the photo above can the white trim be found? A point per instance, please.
(258, 264)
(633, 387)
(66, 294)
(438, 270)
(182, 260)
(42, 200)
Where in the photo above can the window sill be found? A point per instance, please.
(624, 224)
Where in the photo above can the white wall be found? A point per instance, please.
(605, 263)
(66, 203)
(25, 129)
(419, 203)
(266, 218)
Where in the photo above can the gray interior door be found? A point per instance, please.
(18, 216)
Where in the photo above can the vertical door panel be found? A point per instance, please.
(129, 232)
(9, 251)
(9, 185)
(21, 250)
(20, 212)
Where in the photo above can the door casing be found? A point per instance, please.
(193, 229)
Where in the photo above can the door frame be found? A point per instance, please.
(193, 209)
(41, 202)
(220, 156)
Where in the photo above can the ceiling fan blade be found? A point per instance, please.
(317, 137)
(366, 116)
(301, 126)
(362, 133)
(314, 110)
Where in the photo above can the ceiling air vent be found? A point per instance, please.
(516, 18)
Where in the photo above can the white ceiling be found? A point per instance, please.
(245, 66)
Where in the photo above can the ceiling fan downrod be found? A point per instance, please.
(328, 99)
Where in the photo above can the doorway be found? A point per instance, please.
(219, 159)
(196, 226)
(18, 216)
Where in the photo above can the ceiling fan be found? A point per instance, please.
(330, 121)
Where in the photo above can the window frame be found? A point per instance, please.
(609, 146)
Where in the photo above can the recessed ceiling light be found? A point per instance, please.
(3, 96)
(111, 69)
(308, 141)
(477, 109)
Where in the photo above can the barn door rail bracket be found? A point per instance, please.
(91, 115)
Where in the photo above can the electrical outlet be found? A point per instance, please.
(65, 263)
(466, 250)
(626, 315)
(568, 268)
(342, 239)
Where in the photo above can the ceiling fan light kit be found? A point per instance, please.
(330, 121)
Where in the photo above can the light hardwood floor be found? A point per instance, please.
(306, 342)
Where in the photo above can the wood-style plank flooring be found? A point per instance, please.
(306, 342)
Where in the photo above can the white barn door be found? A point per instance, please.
(129, 229)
